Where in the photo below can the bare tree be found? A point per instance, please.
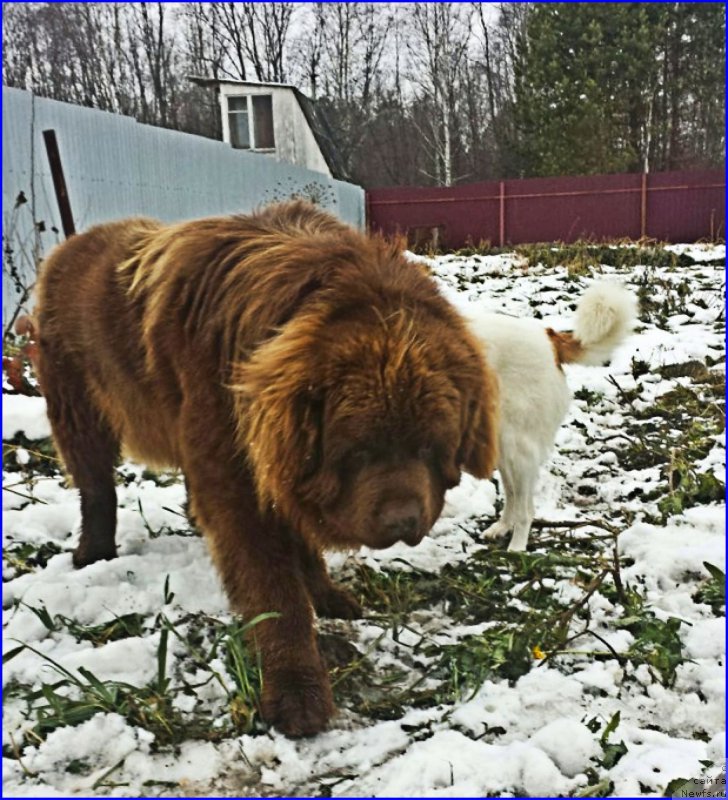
(354, 38)
(229, 31)
(153, 55)
(307, 49)
(488, 87)
(203, 52)
(252, 38)
(268, 24)
(202, 56)
(437, 53)
(414, 92)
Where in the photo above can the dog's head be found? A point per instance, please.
(356, 425)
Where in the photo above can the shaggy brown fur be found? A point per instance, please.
(314, 387)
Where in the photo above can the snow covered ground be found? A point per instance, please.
(593, 664)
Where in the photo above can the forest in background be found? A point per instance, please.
(417, 94)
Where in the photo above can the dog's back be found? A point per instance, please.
(90, 341)
(534, 395)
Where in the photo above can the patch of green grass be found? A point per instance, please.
(589, 396)
(380, 694)
(516, 592)
(42, 456)
(685, 403)
(712, 590)
(79, 695)
(25, 557)
(189, 529)
(612, 752)
(508, 649)
(657, 441)
(503, 651)
(118, 628)
(581, 256)
(661, 298)
(657, 643)
(529, 621)
(688, 488)
(482, 248)
(394, 594)
(675, 433)
(470, 591)
(639, 368)
(427, 247)
(77, 766)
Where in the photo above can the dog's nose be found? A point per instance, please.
(401, 520)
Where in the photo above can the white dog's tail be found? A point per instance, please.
(604, 317)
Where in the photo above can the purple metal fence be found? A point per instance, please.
(668, 206)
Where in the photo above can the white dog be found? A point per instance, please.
(528, 358)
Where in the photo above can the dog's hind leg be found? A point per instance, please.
(505, 522)
(89, 450)
(501, 526)
(522, 509)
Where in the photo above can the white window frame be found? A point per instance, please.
(251, 123)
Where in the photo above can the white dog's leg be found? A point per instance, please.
(501, 527)
(525, 475)
(519, 540)
(523, 509)
(497, 530)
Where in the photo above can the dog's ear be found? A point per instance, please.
(279, 413)
(478, 450)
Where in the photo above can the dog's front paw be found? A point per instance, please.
(519, 540)
(297, 702)
(89, 553)
(338, 603)
(496, 531)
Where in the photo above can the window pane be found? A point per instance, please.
(263, 120)
(239, 133)
(237, 103)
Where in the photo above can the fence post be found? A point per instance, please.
(59, 182)
(502, 222)
(643, 207)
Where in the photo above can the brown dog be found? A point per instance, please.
(314, 387)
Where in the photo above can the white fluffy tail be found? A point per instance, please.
(605, 316)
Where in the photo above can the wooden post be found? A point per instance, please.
(59, 182)
(502, 225)
(643, 207)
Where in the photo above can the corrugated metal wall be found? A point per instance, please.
(115, 167)
(668, 206)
